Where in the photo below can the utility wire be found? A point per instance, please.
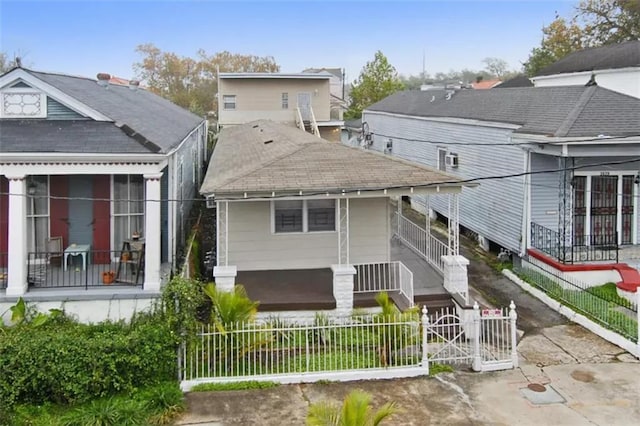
(350, 191)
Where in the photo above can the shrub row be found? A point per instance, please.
(67, 362)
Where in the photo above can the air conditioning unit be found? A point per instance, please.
(211, 203)
(451, 160)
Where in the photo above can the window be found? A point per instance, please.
(229, 101)
(128, 207)
(37, 213)
(285, 101)
(304, 216)
(442, 158)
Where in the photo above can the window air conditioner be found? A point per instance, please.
(451, 160)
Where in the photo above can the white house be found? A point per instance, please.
(615, 67)
(296, 213)
(87, 167)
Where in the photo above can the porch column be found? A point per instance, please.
(343, 231)
(427, 228)
(456, 280)
(454, 229)
(152, 231)
(343, 288)
(225, 277)
(17, 267)
(222, 233)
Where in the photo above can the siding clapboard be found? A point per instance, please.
(494, 208)
(252, 246)
(545, 191)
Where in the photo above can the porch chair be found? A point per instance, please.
(54, 251)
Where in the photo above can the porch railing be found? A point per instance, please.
(575, 248)
(384, 276)
(427, 245)
(4, 262)
(102, 267)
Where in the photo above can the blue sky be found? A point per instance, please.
(87, 37)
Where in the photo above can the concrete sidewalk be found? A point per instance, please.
(577, 378)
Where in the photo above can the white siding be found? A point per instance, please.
(619, 80)
(494, 209)
(545, 190)
(252, 246)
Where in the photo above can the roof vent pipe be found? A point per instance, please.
(103, 79)
(134, 84)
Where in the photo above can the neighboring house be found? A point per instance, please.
(337, 88)
(520, 80)
(302, 100)
(485, 84)
(295, 213)
(615, 67)
(559, 166)
(85, 167)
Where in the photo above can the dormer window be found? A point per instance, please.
(19, 102)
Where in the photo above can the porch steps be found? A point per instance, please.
(434, 302)
(630, 277)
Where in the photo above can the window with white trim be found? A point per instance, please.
(442, 159)
(285, 100)
(37, 213)
(128, 207)
(229, 102)
(304, 216)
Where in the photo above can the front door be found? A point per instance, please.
(304, 103)
(604, 209)
(80, 209)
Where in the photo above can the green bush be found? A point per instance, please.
(230, 386)
(73, 363)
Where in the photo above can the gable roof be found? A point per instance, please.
(337, 72)
(622, 55)
(562, 111)
(264, 157)
(519, 80)
(145, 115)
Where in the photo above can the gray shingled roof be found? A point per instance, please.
(36, 135)
(564, 111)
(157, 119)
(264, 157)
(621, 55)
(519, 80)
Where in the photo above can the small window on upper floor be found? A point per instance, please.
(229, 101)
(23, 102)
(442, 159)
(285, 101)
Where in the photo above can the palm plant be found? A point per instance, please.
(230, 307)
(393, 333)
(356, 410)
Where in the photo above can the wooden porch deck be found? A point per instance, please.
(312, 289)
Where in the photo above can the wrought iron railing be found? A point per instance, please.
(575, 249)
(101, 268)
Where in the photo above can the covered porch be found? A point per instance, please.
(80, 225)
(312, 289)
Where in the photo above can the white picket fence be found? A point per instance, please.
(363, 347)
(426, 245)
(384, 276)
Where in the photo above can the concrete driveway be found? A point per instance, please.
(577, 379)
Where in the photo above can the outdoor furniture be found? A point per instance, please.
(54, 250)
(77, 250)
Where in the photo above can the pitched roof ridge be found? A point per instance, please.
(575, 112)
(61, 74)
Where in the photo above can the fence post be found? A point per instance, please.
(477, 359)
(425, 345)
(513, 316)
(638, 318)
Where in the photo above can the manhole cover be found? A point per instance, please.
(537, 387)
